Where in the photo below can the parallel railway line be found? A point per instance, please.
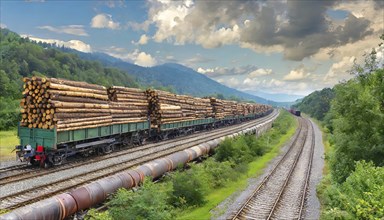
(282, 193)
(121, 162)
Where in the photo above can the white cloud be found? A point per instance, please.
(142, 41)
(170, 18)
(74, 44)
(225, 71)
(144, 59)
(260, 72)
(204, 71)
(137, 57)
(339, 71)
(3, 25)
(297, 74)
(104, 21)
(231, 82)
(67, 29)
(298, 30)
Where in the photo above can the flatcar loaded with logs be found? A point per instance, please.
(61, 118)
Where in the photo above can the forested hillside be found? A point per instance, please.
(353, 114)
(317, 104)
(20, 58)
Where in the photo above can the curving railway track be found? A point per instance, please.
(37, 187)
(282, 193)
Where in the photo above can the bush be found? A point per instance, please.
(187, 190)
(141, 204)
(359, 197)
(219, 173)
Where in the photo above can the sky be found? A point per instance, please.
(272, 46)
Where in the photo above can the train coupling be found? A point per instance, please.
(28, 154)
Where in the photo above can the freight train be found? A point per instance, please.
(295, 112)
(61, 118)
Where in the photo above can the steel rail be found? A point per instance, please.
(266, 178)
(308, 174)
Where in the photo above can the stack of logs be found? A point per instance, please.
(165, 107)
(127, 105)
(66, 105)
(50, 103)
(222, 108)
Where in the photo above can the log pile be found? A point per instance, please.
(127, 105)
(165, 107)
(62, 104)
(223, 108)
(50, 103)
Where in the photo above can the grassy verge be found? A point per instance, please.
(255, 169)
(8, 141)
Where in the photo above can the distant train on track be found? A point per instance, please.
(61, 118)
(295, 112)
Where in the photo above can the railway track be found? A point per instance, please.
(282, 193)
(22, 172)
(95, 171)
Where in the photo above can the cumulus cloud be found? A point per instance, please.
(137, 57)
(339, 70)
(299, 29)
(142, 41)
(260, 72)
(204, 71)
(225, 71)
(74, 44)
(144, 59)
(275, 86)
(299, 73)
(231, 82)
(67, 29)
(104, 21)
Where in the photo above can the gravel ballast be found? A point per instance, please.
(228, 207)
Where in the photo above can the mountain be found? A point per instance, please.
(179, 78)
(277, 97)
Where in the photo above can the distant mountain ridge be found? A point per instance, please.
(276, 97)
(188, 81)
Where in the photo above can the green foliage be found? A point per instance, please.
(141, 204)
(9, 113)
(187, 190)
(92, 214)
(219, 173)
(20, 57)
(234, 150)
(358, 122)
(359, 197)
(316, 104)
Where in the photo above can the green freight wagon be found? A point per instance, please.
(52, 146)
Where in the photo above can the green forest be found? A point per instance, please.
(353, 116)
(20, 57)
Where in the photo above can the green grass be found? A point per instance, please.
(255, 169)
(8, 141)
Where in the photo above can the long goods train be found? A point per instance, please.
(61, 118)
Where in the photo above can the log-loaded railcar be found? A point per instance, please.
(61, 118)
